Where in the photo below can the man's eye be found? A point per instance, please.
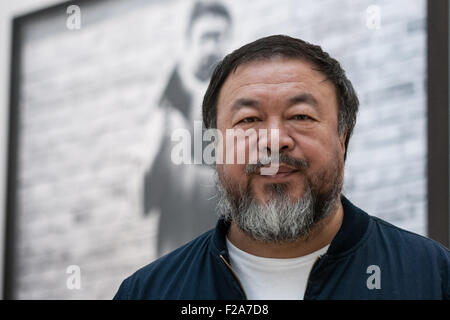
(301, 117)
(249, 120)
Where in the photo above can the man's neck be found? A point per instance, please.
(321, 235)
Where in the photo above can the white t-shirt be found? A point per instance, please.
(270, 278)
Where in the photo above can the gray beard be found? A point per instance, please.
(280, 220)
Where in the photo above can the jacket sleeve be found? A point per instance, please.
(446, 289)
(123, 293)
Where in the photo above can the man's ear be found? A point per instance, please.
(342, 141)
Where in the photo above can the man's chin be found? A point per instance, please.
(279, 191)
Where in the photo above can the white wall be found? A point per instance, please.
(8, 10)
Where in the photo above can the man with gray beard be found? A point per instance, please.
(279, 220)
(290, 233)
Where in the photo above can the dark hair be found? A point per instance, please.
(285, 46)
(202, 8)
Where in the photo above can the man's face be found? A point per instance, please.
(206, 45)
(288, 95)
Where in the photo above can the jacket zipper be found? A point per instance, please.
(312, 268)
(314, 264)
(234, 274)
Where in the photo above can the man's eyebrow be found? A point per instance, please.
(244, 102)
(306, 97)
(303, 98)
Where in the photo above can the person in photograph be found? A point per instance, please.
(207, 31)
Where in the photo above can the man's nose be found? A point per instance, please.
(278, 136)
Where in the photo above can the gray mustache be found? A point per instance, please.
(298, 164)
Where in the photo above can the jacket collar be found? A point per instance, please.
(354, 226)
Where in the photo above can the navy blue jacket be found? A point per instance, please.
(368, 259)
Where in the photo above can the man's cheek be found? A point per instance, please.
(234, 180)
(239, 147)
(232, 173)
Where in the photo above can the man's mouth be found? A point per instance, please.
(283, 171)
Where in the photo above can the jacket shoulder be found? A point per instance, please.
(160, 279)
(407, 238)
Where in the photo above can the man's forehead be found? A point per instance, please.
(269, 74)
